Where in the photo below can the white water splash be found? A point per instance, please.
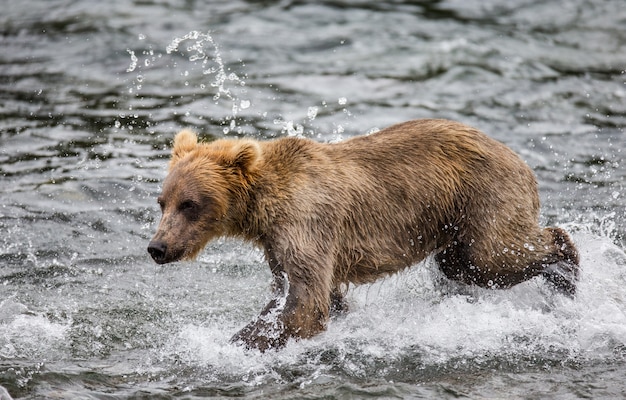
(420, 315)
(27, 335)
(202, 47)
(227, 86)
(210, 65)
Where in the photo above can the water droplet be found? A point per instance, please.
(142, 36)
(133, 61)
(342, 101)
(312, 113)
(244, 104)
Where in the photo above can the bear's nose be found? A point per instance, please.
(157, 250)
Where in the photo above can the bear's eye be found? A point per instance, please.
(186, 205)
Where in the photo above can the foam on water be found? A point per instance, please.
(28, 335)
(419, 320)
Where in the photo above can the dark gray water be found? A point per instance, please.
(91, 94)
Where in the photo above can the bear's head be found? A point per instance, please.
(203, 195)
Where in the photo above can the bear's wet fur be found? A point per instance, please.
(328, 215)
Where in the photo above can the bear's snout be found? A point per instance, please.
(157, 250)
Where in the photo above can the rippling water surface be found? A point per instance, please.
(91, 94)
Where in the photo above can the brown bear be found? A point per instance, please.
(328, 215)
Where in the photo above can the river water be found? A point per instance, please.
(91, 94)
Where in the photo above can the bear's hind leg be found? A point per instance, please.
(493, 265)
(455, 263)
(563, 271)
(468, 264)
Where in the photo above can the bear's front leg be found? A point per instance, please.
(268, 331)
(296, 312)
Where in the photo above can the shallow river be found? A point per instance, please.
(92, 92)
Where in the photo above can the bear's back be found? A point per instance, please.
(424, 170)
(389, 198)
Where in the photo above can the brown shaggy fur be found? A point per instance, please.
(350, 212)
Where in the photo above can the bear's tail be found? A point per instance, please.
(563, 268)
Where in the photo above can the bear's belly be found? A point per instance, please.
(367, 267)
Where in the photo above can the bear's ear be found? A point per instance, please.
(184, 142)
(248, 153)
(240, 154)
